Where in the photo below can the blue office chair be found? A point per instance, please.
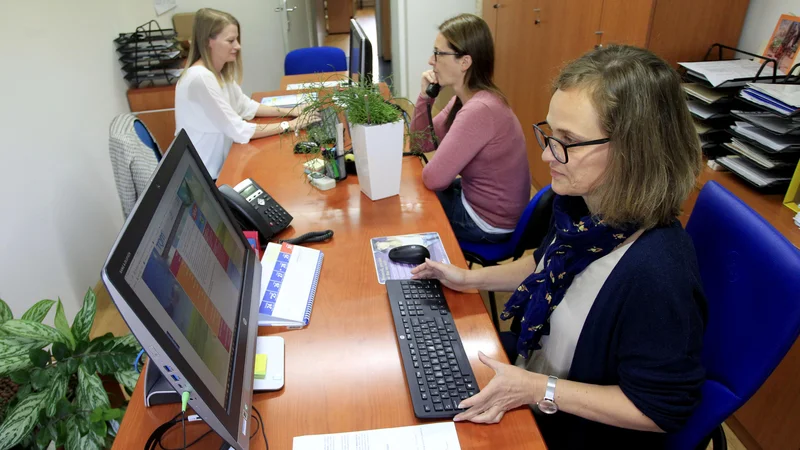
(750, 275)
(314, 60)
(532, 227)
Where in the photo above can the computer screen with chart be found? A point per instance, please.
(186, 282)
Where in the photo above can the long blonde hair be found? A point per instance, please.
(655, 153)
(208, 23)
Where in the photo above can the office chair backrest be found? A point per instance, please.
(146, 138)
(534, 223)
(132, 161)
(750, 276)
(315, 60)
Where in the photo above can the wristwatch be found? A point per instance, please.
(547, 404)
(284, 126)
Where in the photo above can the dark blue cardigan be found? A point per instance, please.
(644, 333)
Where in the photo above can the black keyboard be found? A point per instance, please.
(437, 369)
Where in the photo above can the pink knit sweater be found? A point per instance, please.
(486, 146)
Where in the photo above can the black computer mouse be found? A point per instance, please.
(306, 147)
(409, 254)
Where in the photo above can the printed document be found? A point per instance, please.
(435, 436)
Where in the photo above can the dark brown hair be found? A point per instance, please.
(655, 154)
(468, 34)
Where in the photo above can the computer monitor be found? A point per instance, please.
(186, 282)
(360, 54)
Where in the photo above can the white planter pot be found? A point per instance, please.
(378, 150)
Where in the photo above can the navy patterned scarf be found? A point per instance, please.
(580, 240)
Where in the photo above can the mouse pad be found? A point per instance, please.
(390, 270)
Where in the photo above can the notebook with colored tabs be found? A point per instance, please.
(289, 276)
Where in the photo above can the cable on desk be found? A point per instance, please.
(263, 430)
(155, 440)
(314, 236)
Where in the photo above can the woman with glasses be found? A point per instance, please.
(608, 314)
(479, 137)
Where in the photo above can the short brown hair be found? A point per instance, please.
(655, 154)
(208, 23)
(470, 35)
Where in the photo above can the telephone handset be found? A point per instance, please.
(433, 91)
(254, 209)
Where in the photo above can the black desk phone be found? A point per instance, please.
(255, 209)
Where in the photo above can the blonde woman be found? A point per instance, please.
(209, 103)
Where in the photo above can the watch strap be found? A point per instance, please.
(550, 390)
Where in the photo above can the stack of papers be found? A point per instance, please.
(706, 111)
(435, 436)
(703, 93)
(781, 98)
(770, 122)
(767, 140)
(751, 172)
(315, 85)
(763, 159)
(288, 101)
(735, 72)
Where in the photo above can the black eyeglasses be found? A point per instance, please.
(437, 53)
(559, 148)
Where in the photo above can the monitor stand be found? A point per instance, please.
(157, 390)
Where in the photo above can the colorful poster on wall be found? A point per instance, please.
(784, 42)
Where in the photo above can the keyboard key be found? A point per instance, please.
(448, 406)
(427, 408)
(424, 395)
(438, 406)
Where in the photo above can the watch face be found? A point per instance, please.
(547, 406)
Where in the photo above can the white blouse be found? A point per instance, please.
(214, 116)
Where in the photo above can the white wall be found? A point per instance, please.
(414, 29)
(62, 85)
(762, 16)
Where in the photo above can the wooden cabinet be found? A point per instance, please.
(535, 38)
(155, 106)
(339, 14)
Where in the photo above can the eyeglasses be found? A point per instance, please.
(559, 148)
(437, 53)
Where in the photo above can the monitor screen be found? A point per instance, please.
(360, 65)
(186, 282)
(190, 264)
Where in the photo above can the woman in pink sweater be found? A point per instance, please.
(480, 137)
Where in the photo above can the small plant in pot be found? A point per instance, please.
(376, 129)
(51, 378)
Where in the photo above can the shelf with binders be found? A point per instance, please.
(759, 147)
(150, 56)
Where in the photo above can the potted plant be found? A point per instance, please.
(376, 130)
(55, 375)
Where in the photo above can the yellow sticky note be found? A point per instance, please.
(261, 366)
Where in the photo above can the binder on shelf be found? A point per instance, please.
(289, 278)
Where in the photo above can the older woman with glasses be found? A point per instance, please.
(481, 138)
(609, 313)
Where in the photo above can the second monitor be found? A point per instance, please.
(360, 64)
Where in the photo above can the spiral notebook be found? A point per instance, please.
(289, 277)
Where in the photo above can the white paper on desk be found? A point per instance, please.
(163, 6)
(786, 93)
(718, 72)
(435, 436)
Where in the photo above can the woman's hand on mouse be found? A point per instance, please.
(451, 276)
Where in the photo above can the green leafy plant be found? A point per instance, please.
(60, 396)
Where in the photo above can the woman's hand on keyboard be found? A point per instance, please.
(449, 275)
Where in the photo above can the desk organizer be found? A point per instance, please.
(150, 56)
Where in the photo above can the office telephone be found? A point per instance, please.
(432, 91)
(254, 209)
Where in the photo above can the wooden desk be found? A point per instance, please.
(343, 371)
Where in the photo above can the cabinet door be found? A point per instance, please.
(533, 40)
(626, 22)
